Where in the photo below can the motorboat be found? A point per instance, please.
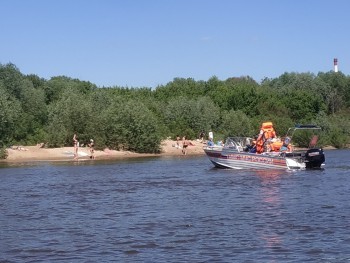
(235, 154)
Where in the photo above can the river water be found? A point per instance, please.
(174, 209)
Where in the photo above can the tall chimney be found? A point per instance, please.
(335, 65)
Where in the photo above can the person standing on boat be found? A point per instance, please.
(251, 148)
(286, 147)
(260, 142)
(266, 133)
(210, 143)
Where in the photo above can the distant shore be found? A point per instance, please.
(36, 153)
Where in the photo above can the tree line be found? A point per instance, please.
(35, 110)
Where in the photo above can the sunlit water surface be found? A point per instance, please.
(173, 210)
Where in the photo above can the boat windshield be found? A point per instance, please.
(305, 135)
(237, 143)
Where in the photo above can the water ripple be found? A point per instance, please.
(173, 210)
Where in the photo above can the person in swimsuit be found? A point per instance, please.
(92, 150)
(177, 141)
(184, 145)
(76, 146)
(201, 136)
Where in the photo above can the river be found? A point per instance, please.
(173, 209)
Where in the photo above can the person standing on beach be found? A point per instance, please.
(184, 145)
(76, 146)
(92, 150)
(201, 136)
(211, 136)
(177, 141)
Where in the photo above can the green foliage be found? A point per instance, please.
(236, 123)
(302, 138)
(337, 138)
(3, 153)
(180, 87)
(336, 91)
(337, 129)
(243, 95)
(9, 115)
(218, 92)
(303, 105)
(35, 110)
(12, 79)
(37, 82)
(131, 126)
(187, 117)
(269, 104)
(39, 135)
(56, 86)
(142, 128)
(34, 113)
(297, 95)
(68, 115)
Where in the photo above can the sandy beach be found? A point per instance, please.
(36, 153)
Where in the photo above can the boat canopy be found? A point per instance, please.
(306, 126)
(302, 127)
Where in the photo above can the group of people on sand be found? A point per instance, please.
(76, 147)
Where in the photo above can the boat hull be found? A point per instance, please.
(222, 158)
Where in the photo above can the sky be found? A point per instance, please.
(147, 43)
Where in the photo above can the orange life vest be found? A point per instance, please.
(259, 146)
(276, 146)
(268, 133)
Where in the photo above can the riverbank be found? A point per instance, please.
(36, 153)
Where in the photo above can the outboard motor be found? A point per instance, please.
(314, 158)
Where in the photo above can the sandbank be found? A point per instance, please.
(36, 153)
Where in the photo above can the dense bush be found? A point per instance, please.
(35, 110)
(3, 153)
